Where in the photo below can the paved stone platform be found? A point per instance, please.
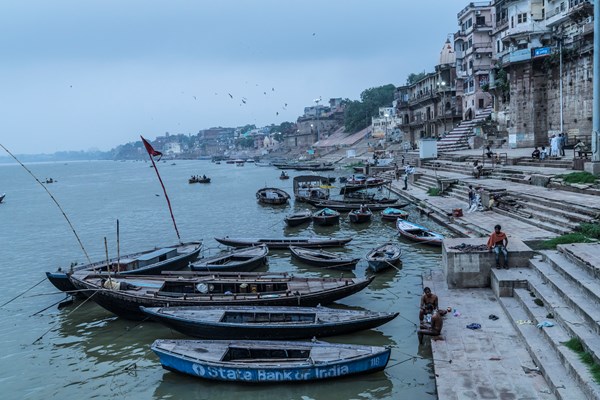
(487, 363)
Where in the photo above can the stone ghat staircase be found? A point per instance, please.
(546, 214)
(561, 287)
(457, 139)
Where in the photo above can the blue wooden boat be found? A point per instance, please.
(268, 361)
(285, 242)
(418, 233)
(384, 257)
(392, 214)
(147, 262)
(266, 323)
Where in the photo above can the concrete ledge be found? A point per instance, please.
(473, 269)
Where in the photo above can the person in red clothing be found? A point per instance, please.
(498, 242)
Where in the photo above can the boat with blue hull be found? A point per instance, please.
(418, 233)
(147, 262)
(268, 361)
(285, 242)
(266, 323)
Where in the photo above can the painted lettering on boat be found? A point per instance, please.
(267, 375)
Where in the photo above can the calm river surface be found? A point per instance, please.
(87, 352)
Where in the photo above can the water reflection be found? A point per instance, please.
(373, 386)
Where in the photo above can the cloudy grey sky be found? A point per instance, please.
(77, 75)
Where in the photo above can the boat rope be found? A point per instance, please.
(60, 321)
(418, 356)
(19, 295)
(51, 305)
(53, 199)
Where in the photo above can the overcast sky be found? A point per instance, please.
(80, 75)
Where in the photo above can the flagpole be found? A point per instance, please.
(151, 153)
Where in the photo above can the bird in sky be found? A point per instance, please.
(195, 98)
(230, 95)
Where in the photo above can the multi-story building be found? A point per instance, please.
(543, 69)
(382, 126)
(473, 49)
(429, 107)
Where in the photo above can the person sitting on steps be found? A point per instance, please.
(498, 242)
(432, 328)
(535, 154)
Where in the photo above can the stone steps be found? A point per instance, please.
(549, 163)
(534, 221)
(549, 363)
(589, 212)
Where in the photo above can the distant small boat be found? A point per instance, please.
(272, 196)
(418, 233)
(197, 179)
(262, 164)
(384, 257)
(50, 180)
(284, 175)
(245, 259)
(326, 217)
(266, 323)
(342, 206)
(323, 259)
(392, 214)
(298, 218)
(285, 242)
(360, 216)
(268, 361)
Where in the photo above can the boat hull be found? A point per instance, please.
(126, 303)
(374, 359)
(290, 328)
(284, 243)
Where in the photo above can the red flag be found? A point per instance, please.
(150, 149)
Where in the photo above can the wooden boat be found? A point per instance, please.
(392, 214)
(310, 187)
(284, 243)
(188, 288)
(152, 261)
(346, 207)
(360, 216)
(284, 175)
(355, 184)
(245, 259)
(195, 179)
(418, 233)
(324, 259)
(266, 323)
(384, 257)
(272, 196)
(298, 218)
(326, 217)
(268, 361)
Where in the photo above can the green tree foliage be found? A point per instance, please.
(414, 78)
(358, 114)
(245, 142)
(284, 127)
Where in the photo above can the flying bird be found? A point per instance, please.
(230, 95)
(195, 98)
(277, 113)
(272, 89)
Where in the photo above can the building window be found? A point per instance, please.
(480, 103)
(480, 21)
(512, 21)
(521, 18)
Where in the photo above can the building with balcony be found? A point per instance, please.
(429, 107)
(473, 51)
(533, 90)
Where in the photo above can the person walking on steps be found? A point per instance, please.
(498, 242)
(407, 171)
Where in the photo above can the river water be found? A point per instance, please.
(83, 350)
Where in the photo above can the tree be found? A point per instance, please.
(414, 78)
(358, 114)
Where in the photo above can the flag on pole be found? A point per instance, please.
(150, 149)
(154, 153)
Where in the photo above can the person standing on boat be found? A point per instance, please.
(498, 242)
